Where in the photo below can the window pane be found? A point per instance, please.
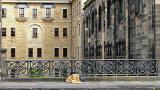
(64, 31)
(30, 52)
(12, 52)
(64, 13)
(39, 52)
(64, 52)
(48, 12)
(34, 13)
(4, 12)
(56, 52)
(56, 32)
(34, 32)
(3, 31)
(12, 32)
(21, 12)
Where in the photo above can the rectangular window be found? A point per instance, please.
(34, 32)
(65, 32)
(48, 12)
(34, 13)
(13, 32)
(109, 15)
(64, 13)
(30, 52)
(139, 7)
(4, 12)
(56, 52)
(56, 31)
(12, 52)
(64, 52)
(21, 12)
(3, 31)
(39, 52)
(122, 9)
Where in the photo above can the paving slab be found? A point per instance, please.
(85, 85)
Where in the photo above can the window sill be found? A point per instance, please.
(39, 58)
(47, 19)
(35, 37)
(56, 36)
(30, 57)
(21, 19)
(13, 57)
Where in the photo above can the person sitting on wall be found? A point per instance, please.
(73, 78)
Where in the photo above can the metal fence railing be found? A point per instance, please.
(87, 68)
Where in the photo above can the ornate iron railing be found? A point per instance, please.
(63, 68)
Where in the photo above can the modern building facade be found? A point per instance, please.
(115, 29)
(37, 29)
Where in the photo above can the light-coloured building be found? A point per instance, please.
(37, 29)
(77, 34)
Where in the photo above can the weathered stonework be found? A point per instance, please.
(119, 29)
(46, 39)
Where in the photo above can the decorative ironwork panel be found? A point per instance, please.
(17, 68)
(63, 68)
(125, 67)
(109, 67)
(147, 68)
(40, 67)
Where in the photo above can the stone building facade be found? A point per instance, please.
(77, 34)
(115, 29)
(37, 29)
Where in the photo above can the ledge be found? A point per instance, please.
(21, 19)
(47, 19)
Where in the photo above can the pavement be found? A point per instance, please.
(84, 86)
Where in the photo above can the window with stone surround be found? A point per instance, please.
(13, 51)
(34, 13)
(4, 12)
(39, 52)
(21, 12)
(56, 32)
(30, 52)
(56, 52)
(3, 32)
(64, 13)
(65, 52)
(109, 15)
(121, 9)
(34, 32)
(65, 32)
(13, 32)
(48, 12)
(139, 7)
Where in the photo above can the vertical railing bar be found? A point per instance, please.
(157, 65)
(116, 65)
(6, 69)
(49, 68)
(27, 68)
(136, 61)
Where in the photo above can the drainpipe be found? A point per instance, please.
(71, 28)
(72, 62)
(0, 34)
